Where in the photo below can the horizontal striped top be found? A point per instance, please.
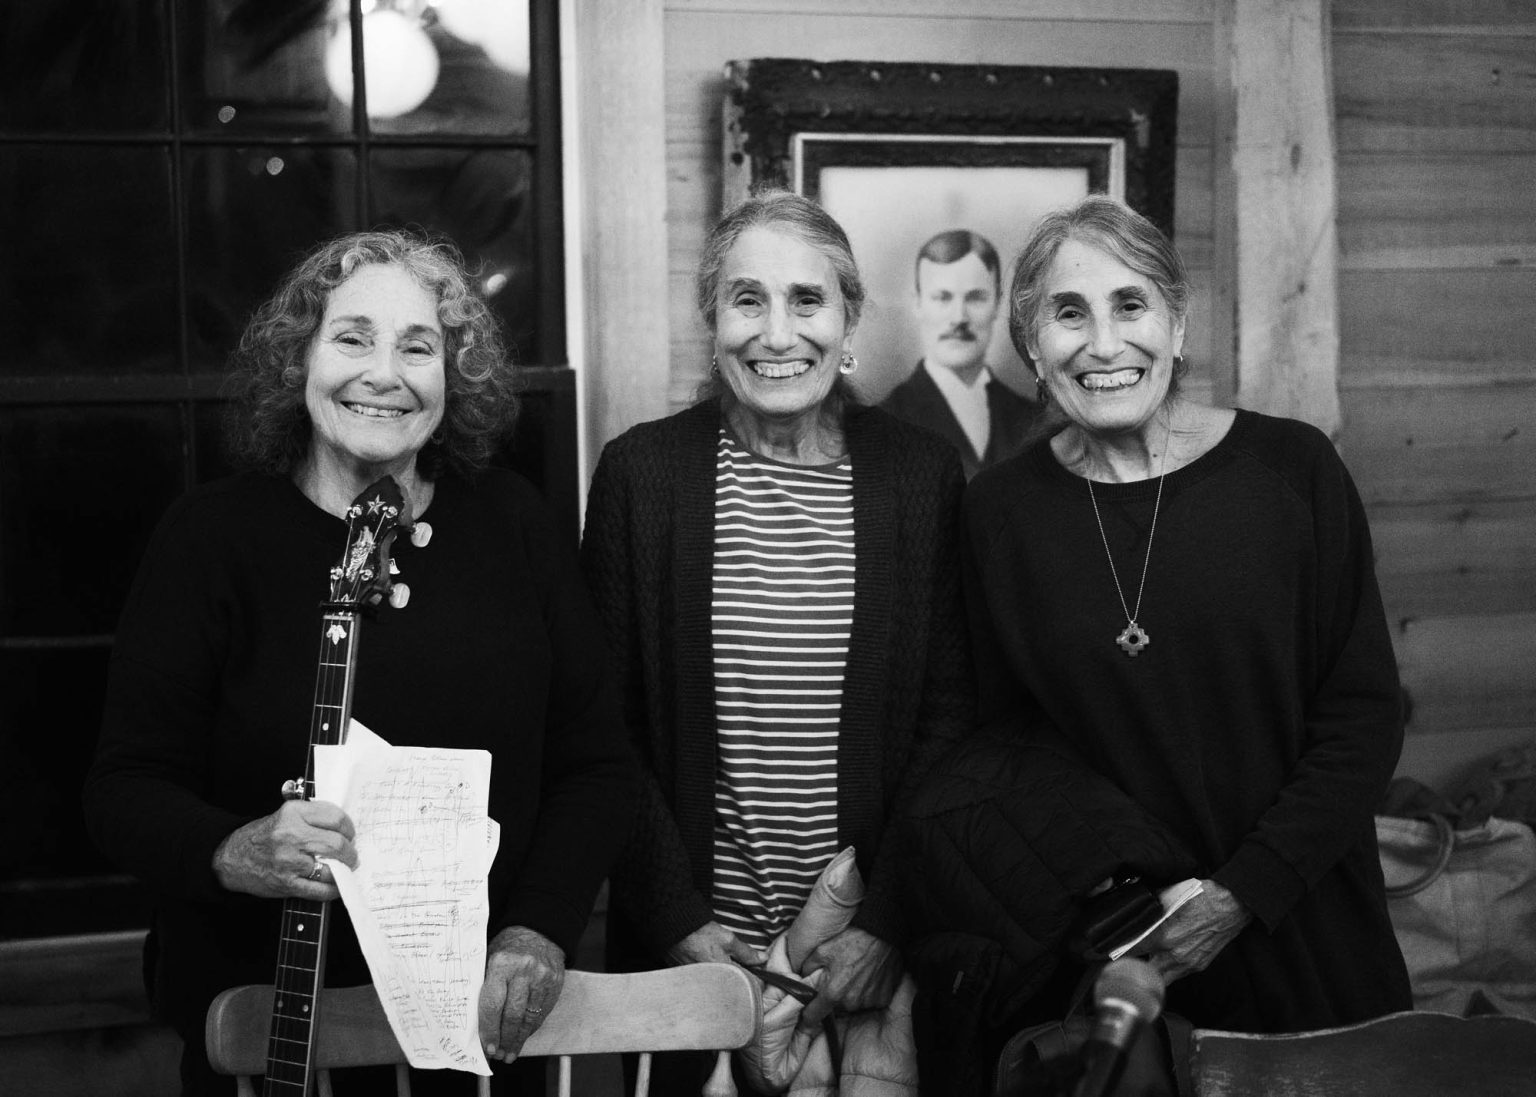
(782, 611)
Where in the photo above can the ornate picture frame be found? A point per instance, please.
(900, 151)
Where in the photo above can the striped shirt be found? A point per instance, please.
(781, 614)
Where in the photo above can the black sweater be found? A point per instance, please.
(1262, 723)
(212, 679)
(907, 691)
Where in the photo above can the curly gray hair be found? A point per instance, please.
(268, 427)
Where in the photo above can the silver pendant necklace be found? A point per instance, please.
(1133, 637)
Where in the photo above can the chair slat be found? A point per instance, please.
(698, 1007)
(701, 1007)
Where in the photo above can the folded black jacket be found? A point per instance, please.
(1004, 840)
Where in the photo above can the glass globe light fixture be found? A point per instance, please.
(399, 59)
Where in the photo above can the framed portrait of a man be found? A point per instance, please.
(938, 173)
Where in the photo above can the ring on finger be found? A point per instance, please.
(314, 873)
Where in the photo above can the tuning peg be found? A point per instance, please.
(394, 568)
(399, 595)
(421, 533)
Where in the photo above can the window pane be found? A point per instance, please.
(55, 882)
(51, 710)
(81, 489)
(462, 68)
(252, 212)
(87, 67)
(543, 445)
(88, 263)
(212, 454)
(481, 199)
(258, 67)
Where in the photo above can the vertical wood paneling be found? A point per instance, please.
(622, 182)
(1287, 251)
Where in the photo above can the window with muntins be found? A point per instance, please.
(162, 164)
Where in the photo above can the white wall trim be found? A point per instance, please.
(575, 269)
(614, 112)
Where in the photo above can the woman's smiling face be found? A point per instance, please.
(1105, 341)
(375, 389)
(780, 324)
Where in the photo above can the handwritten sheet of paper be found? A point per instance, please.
(418, 899)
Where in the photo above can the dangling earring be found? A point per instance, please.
(848, 364)
(714, 365)
(1042, 394)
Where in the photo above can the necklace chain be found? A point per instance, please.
(1134, 637)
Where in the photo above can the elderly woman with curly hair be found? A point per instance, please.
(373, 358)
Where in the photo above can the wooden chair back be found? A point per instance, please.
(1401, 1055)
(698, 1007)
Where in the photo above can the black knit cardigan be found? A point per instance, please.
(908, 687)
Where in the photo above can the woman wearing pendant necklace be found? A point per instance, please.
(1186, 593)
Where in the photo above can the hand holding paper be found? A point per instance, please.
(418, 898)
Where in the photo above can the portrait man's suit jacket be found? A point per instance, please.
(918, 400)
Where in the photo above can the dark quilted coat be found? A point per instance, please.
(1001, 844)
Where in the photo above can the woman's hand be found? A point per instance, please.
(1198, 930)
(862, 972)
(276, 856)
(524, 971)
(712, 943)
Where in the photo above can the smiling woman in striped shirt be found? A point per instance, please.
(777, 568)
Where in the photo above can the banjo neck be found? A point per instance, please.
(358, 584)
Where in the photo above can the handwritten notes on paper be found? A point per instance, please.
(418, 899)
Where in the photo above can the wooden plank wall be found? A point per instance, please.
(1436, 131)
(701, 35)
(1436, 108)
